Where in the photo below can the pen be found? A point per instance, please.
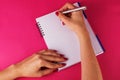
(76, 9)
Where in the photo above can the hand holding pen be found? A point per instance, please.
(72, 17)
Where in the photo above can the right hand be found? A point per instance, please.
(31, 66)
(74, 20)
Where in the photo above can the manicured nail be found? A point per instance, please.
(57, 13)
(63, 23)
(55, 70)
(63, 64)
(61, 55)
(66, 58)
(55, 50)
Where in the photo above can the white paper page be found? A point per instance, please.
(62, 39)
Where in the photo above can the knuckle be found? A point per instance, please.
(36, 56)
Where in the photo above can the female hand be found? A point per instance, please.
(33, 66)
(73, 20)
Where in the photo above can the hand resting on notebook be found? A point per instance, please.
(37, 65)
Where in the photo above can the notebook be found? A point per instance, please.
(62, 39)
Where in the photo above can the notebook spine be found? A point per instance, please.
(40, 28)
(100, 43)
(82, 10)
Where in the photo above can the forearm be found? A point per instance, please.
(9, 73)
(90, 66)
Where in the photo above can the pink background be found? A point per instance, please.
(19, 36)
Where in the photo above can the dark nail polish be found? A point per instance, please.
(63, 23)
(55, 70)
(57, 13)
(63, 64)
(61, 55)
(66, 58)
(55, 50)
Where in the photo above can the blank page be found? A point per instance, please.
(62, 39)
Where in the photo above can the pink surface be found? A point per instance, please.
(19, 36)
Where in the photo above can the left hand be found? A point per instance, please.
(31, 66)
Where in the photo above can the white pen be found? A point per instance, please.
(76, 9)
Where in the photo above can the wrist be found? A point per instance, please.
(9, 73)
(13, 72)
(82, 32)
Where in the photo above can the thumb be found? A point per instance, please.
(64, 18)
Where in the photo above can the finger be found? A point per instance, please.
(63, 18)
(76, 14)
(53, 65)
(67, 6)
(50, 52)
(44, 72)
(45, 50)
(53, 58)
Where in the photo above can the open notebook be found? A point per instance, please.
(62, 39)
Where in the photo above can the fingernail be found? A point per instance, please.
(55, 70)
(61, 55)
(66, 59)
(57, 13)
(55, 50)
(63, 23)
(63, 64)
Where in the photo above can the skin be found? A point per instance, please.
(90, 67)
(31, 66)
(45, 58)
